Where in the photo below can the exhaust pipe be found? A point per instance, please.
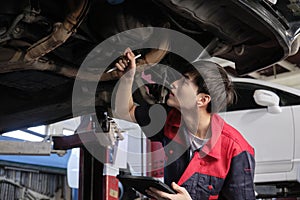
(61, 32)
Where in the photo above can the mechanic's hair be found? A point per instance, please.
(213, 80)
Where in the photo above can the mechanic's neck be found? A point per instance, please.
(199, 129)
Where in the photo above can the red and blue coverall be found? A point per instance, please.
(222, 169)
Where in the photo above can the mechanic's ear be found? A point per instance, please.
(203, 99)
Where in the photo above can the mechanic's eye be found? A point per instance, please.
(186, 81)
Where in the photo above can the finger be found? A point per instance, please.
(130, 55)
(181, 190)
(122, 63)
(127, 50)
(159, 193)
(175, 186)
(119, 67)
(152, 194)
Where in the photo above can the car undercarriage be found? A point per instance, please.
(44, 43)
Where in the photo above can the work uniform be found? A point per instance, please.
(223, 168)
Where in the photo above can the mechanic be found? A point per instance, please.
(206, 158)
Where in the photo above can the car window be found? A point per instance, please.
(244, 97)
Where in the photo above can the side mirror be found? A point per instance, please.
(269, 99)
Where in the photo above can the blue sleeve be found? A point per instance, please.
(239, 183)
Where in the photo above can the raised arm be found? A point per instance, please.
(124, 105)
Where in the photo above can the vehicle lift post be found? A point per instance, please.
(94, 182)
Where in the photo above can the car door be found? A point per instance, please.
(272, 135)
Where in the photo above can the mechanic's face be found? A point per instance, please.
(183, 94)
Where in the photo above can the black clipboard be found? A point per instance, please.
(142, 183)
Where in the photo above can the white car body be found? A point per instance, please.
(275, 137)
